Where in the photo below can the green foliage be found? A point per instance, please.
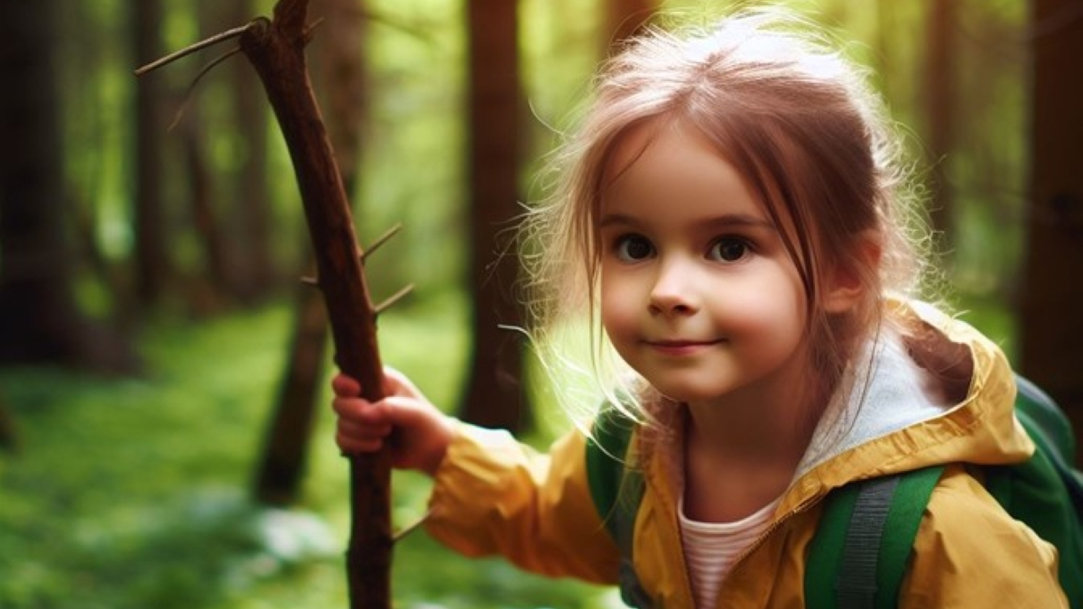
(132, 493)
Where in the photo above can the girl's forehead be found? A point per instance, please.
(628, 146)
(679, 135)
(672, 168)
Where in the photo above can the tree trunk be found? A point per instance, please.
(495, 395)
(39, 319)
(151, 263)
(207, 297)
(338, 54)
(282, 464)
(626, 18)
(940, 113)
(9, 441)
(256, 273)
(1051, 327)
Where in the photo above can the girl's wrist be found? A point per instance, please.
(443, 435)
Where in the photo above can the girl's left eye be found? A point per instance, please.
(728, 249)
(633, 248)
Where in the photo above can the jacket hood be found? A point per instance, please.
(928, 390)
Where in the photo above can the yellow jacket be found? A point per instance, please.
(493, 495)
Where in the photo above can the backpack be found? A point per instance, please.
(859, 553)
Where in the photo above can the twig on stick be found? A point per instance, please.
(382, 239)
(192, 86)
(394, 298)
(202, 44)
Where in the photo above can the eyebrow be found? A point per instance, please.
(723, 221)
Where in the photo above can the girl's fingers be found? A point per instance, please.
(363, 413)
(360, 431)
(352, 445)
(345, 386)
(394, 383)
(357, 436)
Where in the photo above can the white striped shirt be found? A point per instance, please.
(711, 547)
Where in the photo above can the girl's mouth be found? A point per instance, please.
(681, 347)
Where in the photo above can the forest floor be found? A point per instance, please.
(135, 493)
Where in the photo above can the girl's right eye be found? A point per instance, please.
(633, 248)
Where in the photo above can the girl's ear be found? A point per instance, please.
(846, 283)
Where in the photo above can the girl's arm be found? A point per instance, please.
(492, 494)
(970, 553)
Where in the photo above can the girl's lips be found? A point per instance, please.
(680, 347)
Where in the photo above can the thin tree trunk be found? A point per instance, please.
(9, 440)
(39, 319)
(282, 464)
(883, 51)
(626, 18)
(256, 273)
(495, 395)
(151, 264)
(207, 223)
(338, 54)
(1051, 328)
(940, 112)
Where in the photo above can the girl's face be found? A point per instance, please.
(698, 293)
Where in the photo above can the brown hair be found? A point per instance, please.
(799, 124)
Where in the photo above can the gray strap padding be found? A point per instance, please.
(856, 582)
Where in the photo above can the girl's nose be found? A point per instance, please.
(673, 292)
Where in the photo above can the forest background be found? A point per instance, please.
(165, 439)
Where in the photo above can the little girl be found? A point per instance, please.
(730, 217)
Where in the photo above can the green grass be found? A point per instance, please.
(134, 493)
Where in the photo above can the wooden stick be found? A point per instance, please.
(276, 50)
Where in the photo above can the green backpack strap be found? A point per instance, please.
(607, 448)
(859, 553)
(617, 491)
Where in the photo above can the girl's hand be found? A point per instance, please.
(417, 432)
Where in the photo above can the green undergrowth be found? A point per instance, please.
(134, 493)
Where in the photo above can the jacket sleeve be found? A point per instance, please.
(970, 553)
(493, 495)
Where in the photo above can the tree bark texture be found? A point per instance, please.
(276, 50)
(495, 395)
(152, 265)
(339, 53)
(1051, 326)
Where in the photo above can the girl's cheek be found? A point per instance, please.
(618, 301)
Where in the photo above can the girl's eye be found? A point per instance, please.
(632, 248)
(728, 249)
